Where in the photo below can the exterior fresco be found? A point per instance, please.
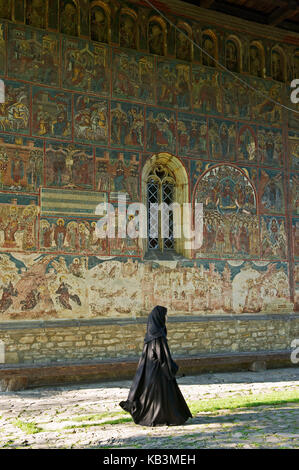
(33, 55)
(133, 76)
(51, 113)
(91, 94)
(21, 163)
(14, 112)
(85, 66)
(68, 166)
(118, 172)
(63, 286)
(230, 226)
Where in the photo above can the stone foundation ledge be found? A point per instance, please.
(20, 377)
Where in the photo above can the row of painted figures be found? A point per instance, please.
(135, 28)
(22, 230)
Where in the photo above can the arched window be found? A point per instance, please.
(157, 35)
(36, 13)
(257, 59)
(184, 48)
(210, 46)
(128, 30)
(165, 180)
(69, 17)
(278, 64)
(100, 22)
(233, 54)
(160, 189)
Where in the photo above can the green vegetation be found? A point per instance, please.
(96, 416)
(28, 428)
(102, 423)
(245, 401)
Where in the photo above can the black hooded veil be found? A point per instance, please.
(154, 397)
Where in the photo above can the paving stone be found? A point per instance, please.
(54, 408)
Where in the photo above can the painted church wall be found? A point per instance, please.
(81, 119)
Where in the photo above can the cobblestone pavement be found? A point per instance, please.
(53, 414)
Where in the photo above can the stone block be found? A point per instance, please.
(12, 384)
(11, 358)
(258, 366)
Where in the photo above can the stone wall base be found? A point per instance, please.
(110, 349)
(14, 377)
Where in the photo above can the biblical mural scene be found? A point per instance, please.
(133, 76)
(14, 112)
(293, 144)
(174, 85)
(160, 130)
(247, 147)
(18, 225)
(264, 103)
(33, 55)
(21, 163)
(222, 140)
(270, 147)
(273, 237)
(85, 66)
(90, 120)
(206, 94)
(51, 113)
(127, 125)
(192, 135)
(236, 97)
(118, 172)
(230, 225)
(69, 166)
(271, 191)
(71, 235)
(65, 286)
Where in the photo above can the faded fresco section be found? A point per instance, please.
(51, 286)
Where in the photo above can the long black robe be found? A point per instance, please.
(154, 397)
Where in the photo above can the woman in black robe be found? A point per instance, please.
(154, 397)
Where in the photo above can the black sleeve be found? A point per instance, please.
(169, 367)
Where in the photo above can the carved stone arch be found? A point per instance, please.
(186, 43)
(278, 70)
(257, 65)
(178, 172)
(100, 28)
(68, 24)
(210, 45)
(131, 14)
(234, 39)
(157, 40)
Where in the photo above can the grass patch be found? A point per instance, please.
(96, 416)
(103, 423)
(246, 401)
(28, 428)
